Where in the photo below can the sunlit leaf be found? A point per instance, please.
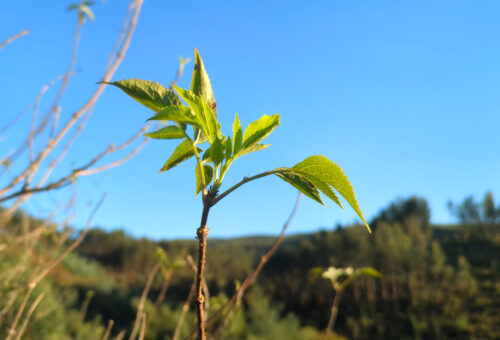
(205, 115)
(229, 148)
(176, 113)
(300, 183)
(167, 132)
(217, 152)
(330, 173)
(206, 155)
(259, 130)
(182, 152)
(322, 186)
(149, 93)
(209, 174)
(200, 83)
(253, 148)
(237, 135)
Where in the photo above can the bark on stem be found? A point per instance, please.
(202, 233)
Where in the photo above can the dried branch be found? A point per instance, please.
(28, 316)
(163, 290)
(108, 330)
(142, 333)
(72, 247)
(34, 281)
(14, 37)
(85, 169)
(14, 121)
(142, 301)
(9, 304)
(121, 335)
(185, 308)
(53, 142)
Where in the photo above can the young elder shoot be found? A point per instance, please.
(334, 275)
(191, 117)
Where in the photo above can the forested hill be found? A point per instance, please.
(439, 282)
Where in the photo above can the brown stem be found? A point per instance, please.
(333, 313)
(235, 301)
(191, 263)
(202, 233)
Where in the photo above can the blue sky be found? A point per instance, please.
(404, 95)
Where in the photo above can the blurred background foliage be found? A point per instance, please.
(439, 281)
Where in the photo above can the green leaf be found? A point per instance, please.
(182, 152)
(86, 9)
(229, 148)
(323, 187)
(368, 271)
(204, 114)
(206, 155)
(200, 83)
(149, 93)
(299, 183)
(217, 152)
(253, 148)
(167, 132)
(237, 135)
(209, 174)
(331, 174)
(176, 113)
(259, 130)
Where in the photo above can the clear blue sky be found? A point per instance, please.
(404, 95)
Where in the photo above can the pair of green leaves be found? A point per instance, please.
(348, 274)
(313, 176)
(318, 174)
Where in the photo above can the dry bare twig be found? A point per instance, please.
(108, 330)
(28, 316)
(37, 278)
(14, 37)
(56, 138)
(185, 308)
(142, 302)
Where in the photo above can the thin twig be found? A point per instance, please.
(28, 316)
(142, 333)
(9, 304)
(108, 330)
(14, 120)
(163, 290)
(14, 37)
(83, 170)
(34, 282)
(121, 335)
(142, 301)
(185, 308)
(240, 183)
(73, 246)
(87, 106)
